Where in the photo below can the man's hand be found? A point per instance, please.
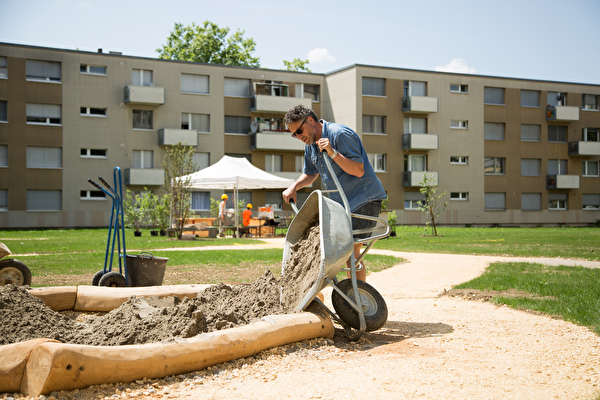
(289, 194)
(324, 144)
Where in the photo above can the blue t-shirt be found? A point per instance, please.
(358, 191)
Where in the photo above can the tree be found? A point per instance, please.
(430, 205)
(209, 44)
(296, 65)
(179, 163)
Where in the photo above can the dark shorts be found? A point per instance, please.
(371, 209)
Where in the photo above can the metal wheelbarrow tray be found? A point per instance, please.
(336, 246)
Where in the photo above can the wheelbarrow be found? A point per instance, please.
(12, 272)
(364, 312)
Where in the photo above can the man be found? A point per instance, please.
(247, 215)
(350, 163)
(222, 205)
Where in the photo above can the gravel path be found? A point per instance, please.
(431, 348)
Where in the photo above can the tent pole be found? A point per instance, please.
(236, 196)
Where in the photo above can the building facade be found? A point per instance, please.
(506, 151)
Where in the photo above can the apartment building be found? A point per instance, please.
(506, 151)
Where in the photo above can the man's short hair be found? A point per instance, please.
(298, 113)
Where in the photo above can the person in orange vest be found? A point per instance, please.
(247, 215)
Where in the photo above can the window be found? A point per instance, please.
(493, 131)
(299, 164)
(557, 201)
(373, 124)
(44, 200)
(92, 111)
(141, 77)
(531, 201)
(591, 201)
(3, 199)
(237, 124)
(143, 159)
(196, 122)
(47, 114)
(415, 162)
(275, 200)
(531, 166)
(202, 160)
(530, 98)
(201, 201)
(557, 167)
(460, 160)
(142, 119)
(415, 125)
(44, 157)
(3, 111)
(459, 196)
(531, 133)
(3, 155)
(557, 99)
(589, 134)
(459, 124)
(557, 133)
(495, 201)
(415, 88)
(3, 69)
(493, 165)
(378, 162)
(273, 162)
(48, 71)
(373, 86)
(455, 88)
(589, 168)
(311, 92)
(237, 87)
(194, 84)
(92, 195)
(590, 102)
(412, 200)
(493, 96)
(94, 153)
(92, 69)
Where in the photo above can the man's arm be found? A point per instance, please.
(303, 181)
(347, 165)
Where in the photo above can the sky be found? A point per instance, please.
(532, 39)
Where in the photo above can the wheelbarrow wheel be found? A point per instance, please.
(97, 276)
(14, 272)
(373, 305)
(113, 279)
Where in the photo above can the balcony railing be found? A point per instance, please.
(144, 177)
(148, 95)
(420, 141)
(171, 137)
(275, 140)
(584, 149)
(562, 113)
(562, 181)
(276, 104)
(414, 178)
(420, 104)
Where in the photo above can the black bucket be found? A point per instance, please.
(146, 269)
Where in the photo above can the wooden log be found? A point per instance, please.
(57, 366)
(58, 298)
(13, 359)
(101, 298)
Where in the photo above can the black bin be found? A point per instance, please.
(146, 269)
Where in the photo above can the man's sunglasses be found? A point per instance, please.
(299, 130)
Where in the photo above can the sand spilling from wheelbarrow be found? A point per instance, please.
(149, 320)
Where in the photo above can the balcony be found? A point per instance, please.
(419, 141)
(584, 149)
(414, 178)
(144, 177)
(276, 104)
(171, 137)
(562, 113)
(420, 104)
(275, 140)
(147, 95)
(562, 181)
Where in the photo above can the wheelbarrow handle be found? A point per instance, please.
(293, 204)
(94, 183)
(104, 182)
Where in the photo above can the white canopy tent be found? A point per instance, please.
(236, 174)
